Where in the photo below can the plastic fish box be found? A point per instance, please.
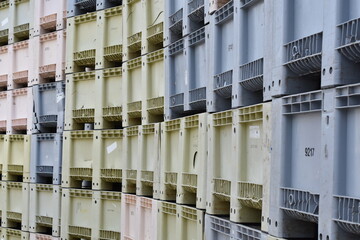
(180, 221)
(49, 16)
(296, 164)
(17, 158)
(21, 20)
(49, 107)
(131, 156)
(2, 153)
(194, 16)
(108, 212)
(49, 53)
(186, 91)
(46, 158)
(80, 100)
(5, 65)
(20, 105)
(81, 42)
(45, 207)
(215, 5)
(5, 22)
(78, 214)
(13, 234)
(144, 105)
(109, 52)
(175, 12)
(3, 111)
(109, 106)
(16, 205)
(143, 28)
(108, 162)
(36, 236)
(78, 158)
(129, 217)
(22, 64)
(2, 203)
(78, 7)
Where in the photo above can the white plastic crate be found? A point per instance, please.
(16, 205)
(49, 57)
(49, 15)
(44, 209)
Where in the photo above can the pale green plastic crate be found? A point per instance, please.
(108, 161)
(22, 19)
(78, 158)
(17, 157)
(4, 18)
(16, 205)
(94, 40)
(144, 89)
(13, 234)
(131, 155)
(143, 27)
(107, 215)
(77, 214)
(180, 222)
(2, 153)
(44, 209)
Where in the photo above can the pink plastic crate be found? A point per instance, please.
(49, 54)
(19, 118)
(3, 111)
(49, 16)
(34, 236)
(147, 211)
(22, 60)
(4, 67)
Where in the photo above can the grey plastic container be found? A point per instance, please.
(46, 158)
(174, 20)
(49, 106)
(296, 166)
(194, 16)
(78, 7)
(217, 228)
(186, 75)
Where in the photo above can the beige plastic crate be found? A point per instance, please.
(78, 158)
(3, 111)
(35, 236)
(2, 153)
(131, 155)
(49, 16)
(108, 110)
(77, 214)
(20, 107)
(49, 56)
(143, 28)
(108, 159)
(107, 209)
(80, 100)
(16, 205)
(5, 22)
(45, 206)
(17, 158)
(13, 234)
(110, 43)
(5, 65)
(22, 20)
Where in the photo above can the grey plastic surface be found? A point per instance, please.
(174, 20)
(49, 106)
(78, 7)
(46, 158)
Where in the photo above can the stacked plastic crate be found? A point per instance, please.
(92, 160)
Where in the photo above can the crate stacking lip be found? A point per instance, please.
(89, 5)
(303, 56)
(225, 13)
(196, 10)
(300, 204)
(350, 39)
(176, 22)
(347, 214)
(252, 75)
(223, 84)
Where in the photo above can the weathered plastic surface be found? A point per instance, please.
(107, 216)
(175, 12)
(5, 64)
(187, 67)
(2, 153)
(49, 16)
(17, 158)
(129, 218)
(143, 90)
(80, 100)
(49, 107)
(20, 107)
(297, 166)
(21, 20)
(179, 222)
(4, 18)
(216, 4)
(222, 229)
(78, 158)
(16, 205)
(35, 236)
(3, 111)
(131, 155)
(143, 28)
(49, 57)
(44, 209)
(77, 214)
(109, 104)
(13, 234)
(147, 213)
(108, 159)
(46, 158)
(78, 7)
